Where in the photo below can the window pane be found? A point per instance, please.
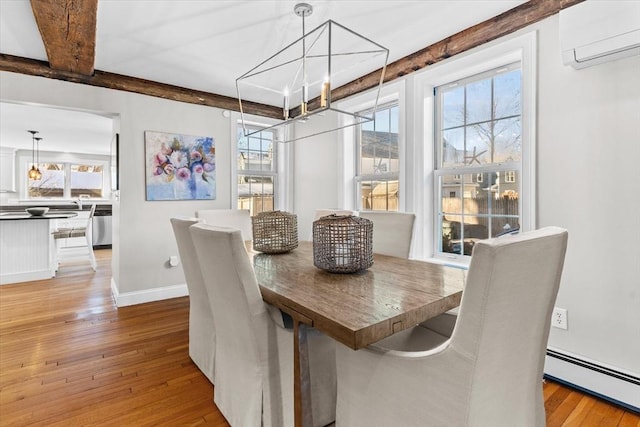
(51, 184)
(379, 195)
(256, 152)
(453, 107)
(475, 207)
(508, 140)
(86, 180)
(478, 102)
(453, 147)
(378, 148)
(255, 193)
(507, 90)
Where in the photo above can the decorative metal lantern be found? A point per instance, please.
(275, 232)
(342, 243)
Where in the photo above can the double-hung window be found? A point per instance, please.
(478, 127)
(377, 161)
(256, 170)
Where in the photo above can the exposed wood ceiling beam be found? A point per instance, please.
(68, 30)
(34, 67)
(491, 29)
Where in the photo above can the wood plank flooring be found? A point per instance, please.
(68, 357)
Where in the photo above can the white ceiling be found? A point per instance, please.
(206, 45)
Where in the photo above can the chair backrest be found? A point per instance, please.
(89, 226)
(236, 218)
(201, 325)
(504, 320)
(392, 232)
(243, 326)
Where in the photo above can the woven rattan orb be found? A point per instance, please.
(275, 232)
(342, 243)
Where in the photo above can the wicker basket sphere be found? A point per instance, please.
(342, 243)
(275, 232)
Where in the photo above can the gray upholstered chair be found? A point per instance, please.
(70, 230)
(254, 352)
(392, 232)
(237, 218)
(488, 370)
(202, 331)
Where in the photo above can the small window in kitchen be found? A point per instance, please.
(51, 182)
(86, 181)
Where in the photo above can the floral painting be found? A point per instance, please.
(180, 167)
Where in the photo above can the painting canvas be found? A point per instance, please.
(180, 167)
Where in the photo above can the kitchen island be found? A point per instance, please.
(26, 246)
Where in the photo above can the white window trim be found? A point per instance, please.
(522, 48)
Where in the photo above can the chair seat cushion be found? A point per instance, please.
(66, 233)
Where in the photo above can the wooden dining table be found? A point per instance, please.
(355, 309)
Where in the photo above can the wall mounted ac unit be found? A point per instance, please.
(597, 31)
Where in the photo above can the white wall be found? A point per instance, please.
(143, 239)
(317, 171)
(589, 182)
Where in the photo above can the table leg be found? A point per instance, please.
(301, 379)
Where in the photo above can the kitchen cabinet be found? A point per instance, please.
(7, 169)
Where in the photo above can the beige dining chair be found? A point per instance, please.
(254, 352)
(64, 249)
(237, 218)
(488, 370)
(392, 232)
(202, 331)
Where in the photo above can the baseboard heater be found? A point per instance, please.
(617, 387)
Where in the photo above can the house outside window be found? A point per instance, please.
(378, 161)
(478, 141)
(256, 170)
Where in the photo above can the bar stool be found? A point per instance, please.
(72, 232)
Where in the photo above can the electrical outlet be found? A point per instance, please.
(559, 318)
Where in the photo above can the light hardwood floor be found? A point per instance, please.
(68, 357)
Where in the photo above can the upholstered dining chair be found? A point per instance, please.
(202, 331)
(392, 232)
(488, 370)
(254, 352)
(237, 218)
(61, 236)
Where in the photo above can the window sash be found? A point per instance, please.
(392, 166)
(456, 170)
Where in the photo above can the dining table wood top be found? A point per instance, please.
(357, 309)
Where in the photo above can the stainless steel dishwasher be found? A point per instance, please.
(102, 228)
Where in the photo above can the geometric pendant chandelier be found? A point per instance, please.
(300, 77)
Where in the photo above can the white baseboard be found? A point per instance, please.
(622, 388)
(7, 279)
(147, 295)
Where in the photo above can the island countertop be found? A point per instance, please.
(24, 215)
